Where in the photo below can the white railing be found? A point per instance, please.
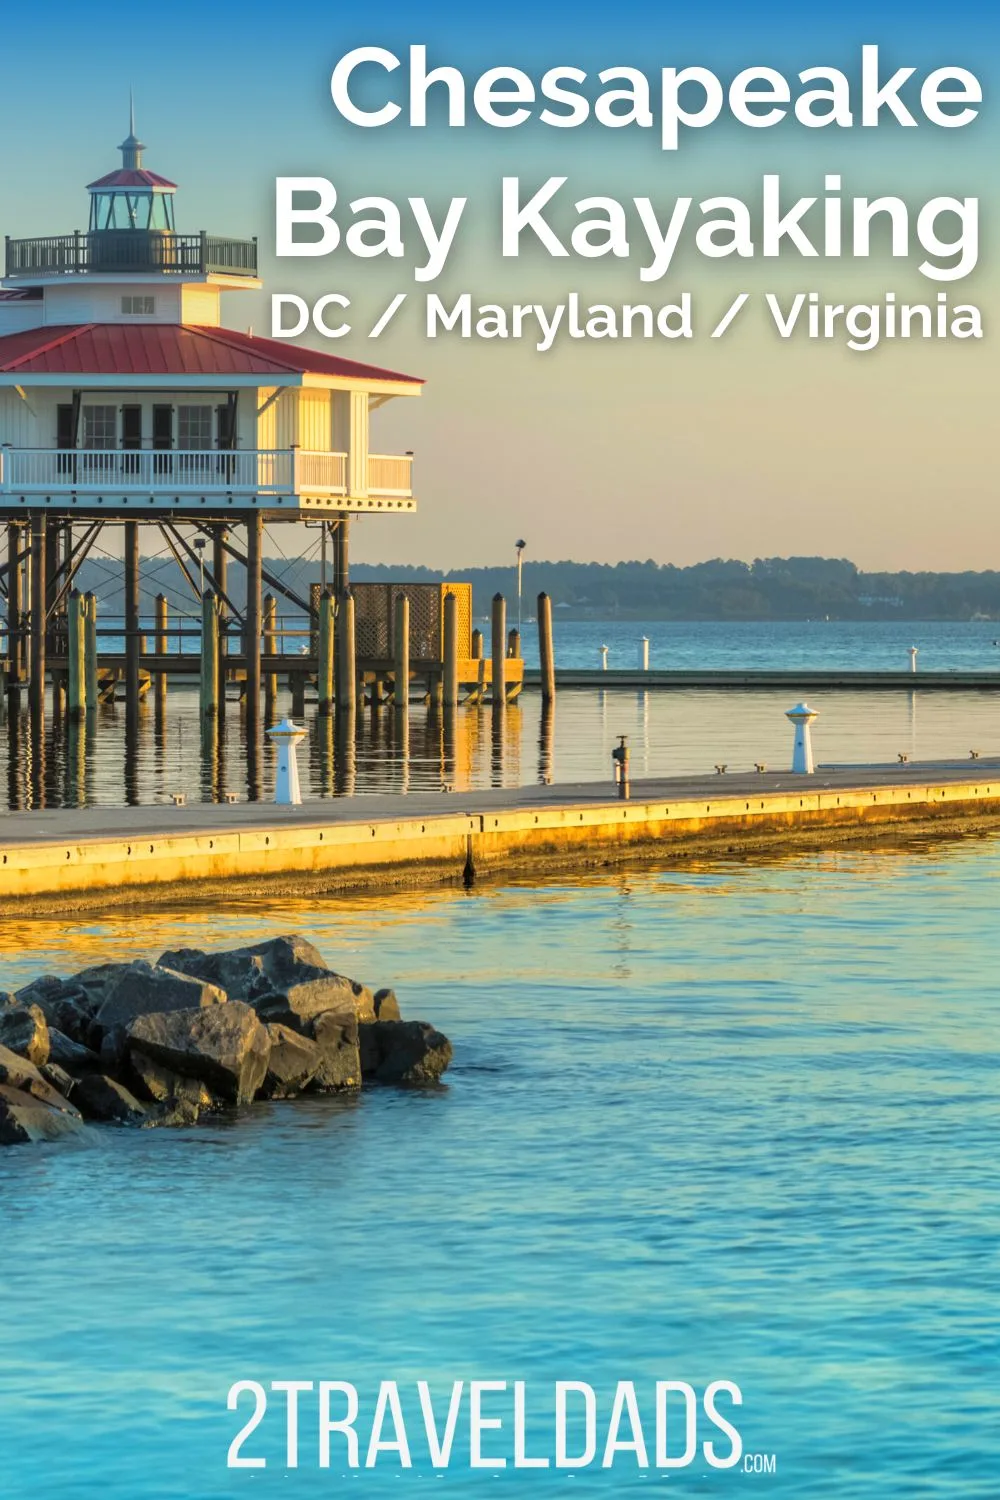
(390, 474)
(277, 471)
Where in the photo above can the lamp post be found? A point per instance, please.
(519, 547)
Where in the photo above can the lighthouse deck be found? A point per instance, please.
(75, 859)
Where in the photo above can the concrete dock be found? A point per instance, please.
(86, 859)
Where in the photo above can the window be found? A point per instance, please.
(194, 427)
(100, 426)
(138, 307)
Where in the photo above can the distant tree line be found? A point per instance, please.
(772, 588)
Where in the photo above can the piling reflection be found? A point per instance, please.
(345, 728)
(546, 744)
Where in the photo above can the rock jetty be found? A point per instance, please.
(161, 1044)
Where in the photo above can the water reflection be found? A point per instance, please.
(118, 758)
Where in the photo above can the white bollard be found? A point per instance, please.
(913, 657)
(802, 756)
(604, 657)
(287, 736)
(644, 654)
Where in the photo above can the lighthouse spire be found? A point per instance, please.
(131, 147)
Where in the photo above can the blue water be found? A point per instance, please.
(726, 1122)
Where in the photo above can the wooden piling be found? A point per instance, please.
(327, 641)
(270, 649)
(91, 684)
(450, 664)
(253, 613)
(546, 654)
(220, 572)
(401, 653)
(498, 641)
(477, 645)
(133, 645)
(36, 691)
(513, 645)
(15, 606)
(209, 656)
(77, 686)
(162, 647)
(347, 672)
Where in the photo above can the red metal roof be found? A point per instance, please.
(132, 177)
(170, 349)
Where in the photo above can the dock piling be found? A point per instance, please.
(255, 530)
(546, 654)
(77, 653)
(477, 645)
(401, 653)
(209, 656)
(325, 677)
(91, 683)
(347, 674)
(498, 639)
(133, 645)
(450, 664)
(271, 650)
(162, 647)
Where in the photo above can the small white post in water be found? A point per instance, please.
(802, 756)
(644, 654)
(913, 657)
(287, 736)
(604, 657)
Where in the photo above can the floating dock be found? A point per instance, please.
(797, 682)
(86, 859)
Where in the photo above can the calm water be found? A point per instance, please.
(672, 733)
(736, 1121)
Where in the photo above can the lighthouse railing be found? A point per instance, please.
(173, 471)
(131, 252)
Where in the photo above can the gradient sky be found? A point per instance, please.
(746, 447)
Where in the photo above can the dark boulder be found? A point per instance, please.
(24, 1030)
(336, 1036)
(238, 973)
(223, 1046)
(298, 1005)
(18, 1073)
(60, 1080)
(173, 1114)
(65, 1006)
(386, 1006)
(71, 1056)
(410, 1052)
(25, 1118)
(293, 1064)
(143, 989)
(6, 1000)
(100, 1098)
(161, 1085)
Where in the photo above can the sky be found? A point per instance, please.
(676, 450)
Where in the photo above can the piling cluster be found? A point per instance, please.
(197, 1032)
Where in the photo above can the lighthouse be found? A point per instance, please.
(126, 402)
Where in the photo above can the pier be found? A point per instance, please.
(804, 679)
(91, 858)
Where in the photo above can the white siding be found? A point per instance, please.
(200, 306)
(82, 303)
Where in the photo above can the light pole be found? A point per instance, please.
(519, 546)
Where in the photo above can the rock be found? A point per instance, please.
(223, 1046)
(386, 1006)
(24, 1030)
(336, 1036)
(59, 1078)
(71, 1056)
(369, 1051)
(238, 973)
(65, 1006)
(294, 1062)
(174, 1113)
(163, 1086)
(407, 1052)
(298, 1005)
(101, 1098)
(18, 1073)
(143, 989)
(6, 1000)
(25, 1118)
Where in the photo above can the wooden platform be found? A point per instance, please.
(795, 682)
(89, 858)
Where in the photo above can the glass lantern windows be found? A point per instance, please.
(124, 209)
